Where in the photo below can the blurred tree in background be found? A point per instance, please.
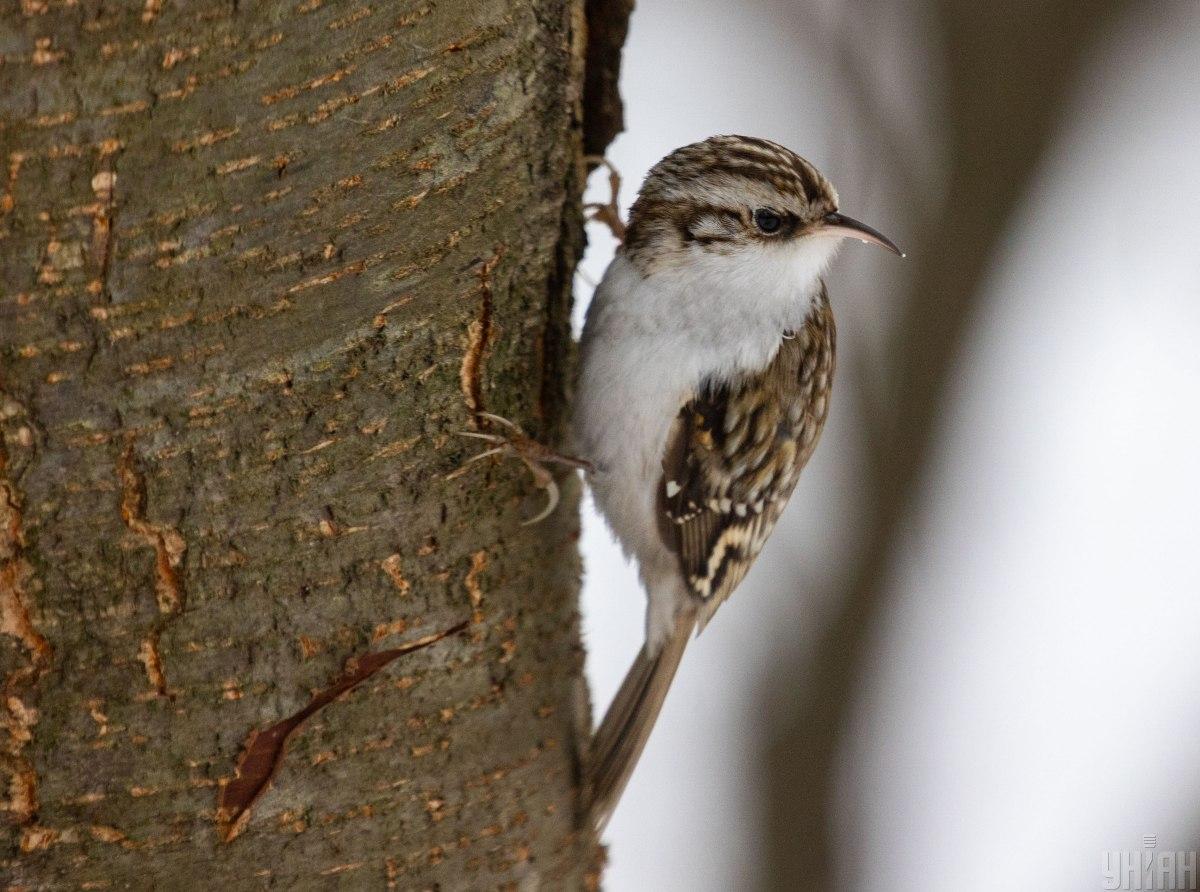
(1006, 72)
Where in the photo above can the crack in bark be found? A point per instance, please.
(479, 562)
(555, 337)
(478, 334)
(169, 550)
(104, 185)
(9, 199)
(18, 717)
(150, 658)
(264, 750)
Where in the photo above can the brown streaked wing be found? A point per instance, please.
(733, 458)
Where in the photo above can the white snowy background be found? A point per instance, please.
(1031, 698)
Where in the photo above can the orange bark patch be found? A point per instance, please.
(36, 838)
(391, 566)
(17, 717)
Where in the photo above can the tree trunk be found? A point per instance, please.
(260, 262)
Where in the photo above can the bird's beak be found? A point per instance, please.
(841, 226)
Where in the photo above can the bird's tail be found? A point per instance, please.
(623, 733)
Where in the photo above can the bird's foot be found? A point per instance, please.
(608, 213)
(509, 440)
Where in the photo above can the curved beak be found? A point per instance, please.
(841, 226)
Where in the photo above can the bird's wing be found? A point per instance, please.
(733, 458)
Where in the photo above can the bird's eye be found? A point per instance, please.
(767, 221)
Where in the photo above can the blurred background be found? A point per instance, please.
(967, 659)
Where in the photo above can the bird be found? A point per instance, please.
(706, 364)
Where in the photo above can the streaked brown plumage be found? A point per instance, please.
(735, 455)
(707, 361)
(704, 194)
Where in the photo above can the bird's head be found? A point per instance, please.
(741, 198)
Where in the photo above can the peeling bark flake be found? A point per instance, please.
(478, 334)
(169, 547)
(264, 750)
(471, 582)
(34, 839)
(104, 185)
(151, 659)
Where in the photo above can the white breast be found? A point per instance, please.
(648, 344)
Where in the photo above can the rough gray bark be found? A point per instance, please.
(260, 260)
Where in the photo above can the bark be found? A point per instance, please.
(260, 261)
(608, 26)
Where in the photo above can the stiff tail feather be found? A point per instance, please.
(622, 735)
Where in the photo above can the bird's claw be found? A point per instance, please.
(517, 444)
(551, 488)
(609, 212)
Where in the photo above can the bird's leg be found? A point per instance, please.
(608, 213)
(509, 440)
